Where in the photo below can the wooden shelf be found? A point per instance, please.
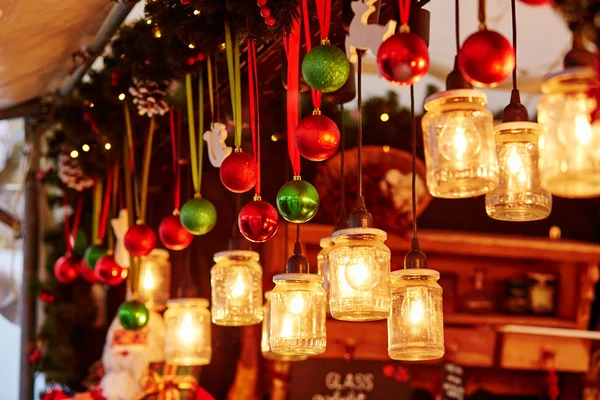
(503, 319)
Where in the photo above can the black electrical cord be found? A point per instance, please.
(414, 160)
(457, 25)
(360, 127)
(343, 212)
(514, 41)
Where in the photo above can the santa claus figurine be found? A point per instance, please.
(127, 355)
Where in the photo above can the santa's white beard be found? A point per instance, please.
(124, 368)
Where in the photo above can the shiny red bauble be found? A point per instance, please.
(537, 2)
(258, 221)
(317, 137)
(109, 272)
(140, 240)
(403, 58)
(65, 269)
(88, 274)
(486, 58)
(238, 172)
(172, 233)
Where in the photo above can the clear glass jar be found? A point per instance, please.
(154, 287)
(236, 283)
(569, 145)
(188, 338)
(518, 195)
(265, 340)
(323, 261)
(416, 323)
(458, 136)
(360, 275)
(298, 312)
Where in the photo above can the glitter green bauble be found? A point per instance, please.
(133, 315)
(198, 216)
(298, 201)
(325, 68)
(92, 255)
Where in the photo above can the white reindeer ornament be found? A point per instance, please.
(215, 139)
(365, 36)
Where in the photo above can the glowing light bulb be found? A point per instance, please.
(384, 117)
(122, 96)
(359, 273)
(416, 314)
(196, 12)
(85, 147)
(297, 305)
(187, 331)
(583, 129)
(148, 281)
(287, 327)
(107, 146)
(459, 140)
(74, 154)
(238, 289)
(513, 162)
(191, 46)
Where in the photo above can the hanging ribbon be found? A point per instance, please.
(105, 205)
(292, 51)
(71, 231)
(132, 199)
(481, 15)
(232, 50)
(143, 201)
(315, 94)
(175, 149)
(211, 97)
(254, 110)
(404, 7)
(113, 206)
(196, 149)
(96, 211)
(324, 14)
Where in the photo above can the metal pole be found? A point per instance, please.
(31, 236)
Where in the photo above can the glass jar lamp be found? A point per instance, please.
(155, 279)
(236, 282)
(569, 145)
(298, 312)
(459, 144)
(188, 338)
(416, 324)
(518, 195)
(360, 275)
(323, 261)
(265, 341)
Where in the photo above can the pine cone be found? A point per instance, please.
(149, 97)
(71, 174)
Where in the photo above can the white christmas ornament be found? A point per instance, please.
(120, 226)
(365, 36)
(215, 140)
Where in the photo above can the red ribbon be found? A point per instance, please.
(316, 95)
(324, 13)
(404, 11)
(71, 232)
(105, 204)
(292, 51)
(254, 109)
(175, 146)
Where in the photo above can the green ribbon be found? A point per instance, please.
(232, 50)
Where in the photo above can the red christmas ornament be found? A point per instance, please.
(265, 12)
(35, 356)
(86, 272)
(191, 61)
(140, 240)
(47, 296)
(261, 3)
(238, 172)
(258, 221)
(317, 137)
(270, 21)
(537, 2)
(173, 235)
(185, 2)
(109, 272)
(486, 58)
(200, 56)
(403, 58)
(65, 269)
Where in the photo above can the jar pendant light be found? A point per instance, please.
(236, 282)
(188, 337)
(569, 144)
(155, 280)
(298, 313)
(518, 195)
(265, 341)
(459, 144)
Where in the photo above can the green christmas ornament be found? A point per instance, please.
(133, 315)
(198, 216)
(298, 201)
(325, 68)
(92, 255)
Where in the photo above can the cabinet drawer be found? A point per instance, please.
(526, 351)
(470, 347)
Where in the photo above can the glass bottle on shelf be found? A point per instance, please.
(478, 300)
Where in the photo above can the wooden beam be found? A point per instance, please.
(31, 108)
(12, 221)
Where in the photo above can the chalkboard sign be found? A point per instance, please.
(320, 379)
(453, 381)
